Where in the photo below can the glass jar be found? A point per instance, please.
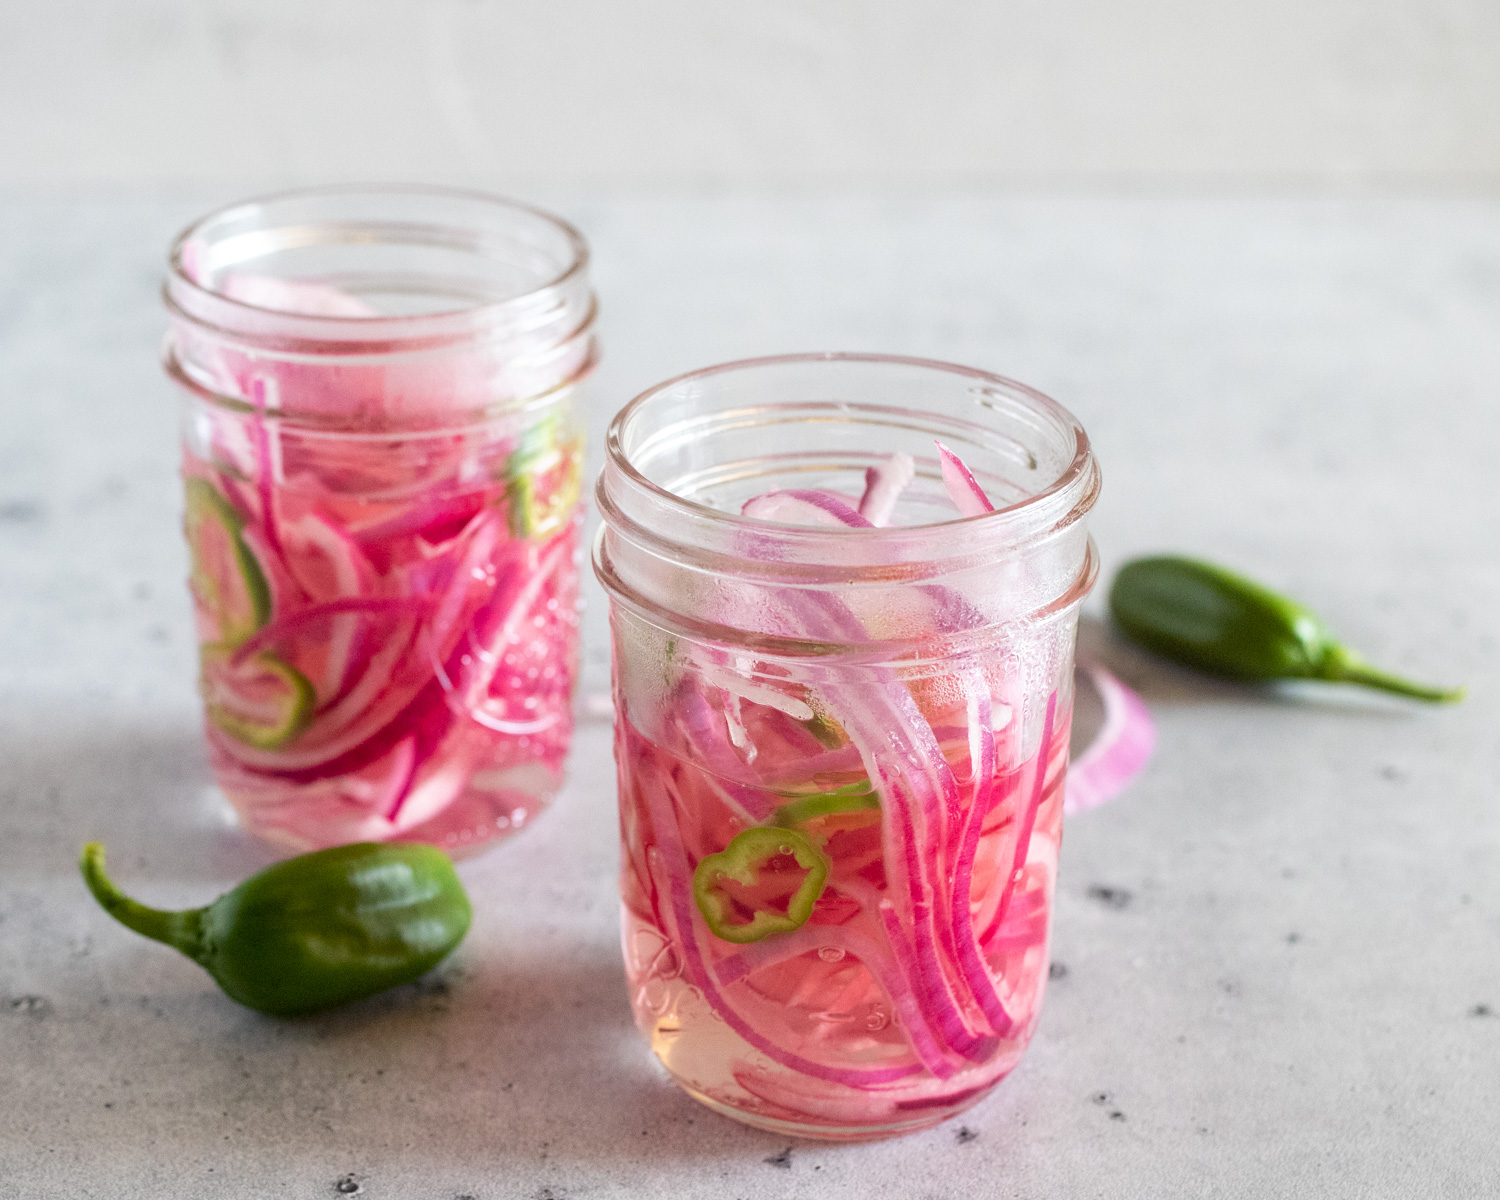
(841, 751)
(382, 456)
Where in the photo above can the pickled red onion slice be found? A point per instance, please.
(883, 487)
(804, 506)
(963, 489)
(1121, 750)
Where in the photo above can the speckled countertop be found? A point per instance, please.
(1279, 955)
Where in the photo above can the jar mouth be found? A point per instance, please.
(640, 495)
(522, 271)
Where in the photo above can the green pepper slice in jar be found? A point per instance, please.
(226, 578)
(256, 699)
(765, 881)
(856, 797)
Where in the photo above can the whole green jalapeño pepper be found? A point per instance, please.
(743, 862)
(312, 932)
(1209, 618)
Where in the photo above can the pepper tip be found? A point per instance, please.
(91, 858)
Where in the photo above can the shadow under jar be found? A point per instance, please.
(382, 458)
(841, 751)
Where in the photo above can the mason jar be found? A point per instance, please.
(382, 454)
(841, 742)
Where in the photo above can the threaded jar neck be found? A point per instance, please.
(379, 307)
(682, 458)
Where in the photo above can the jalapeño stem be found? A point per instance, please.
(181, 930)
(1344, 666)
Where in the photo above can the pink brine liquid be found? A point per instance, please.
(388, 630)
(914, 986)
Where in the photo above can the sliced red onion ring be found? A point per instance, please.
(1028, 817)
(1120, 751)
(696, 720)
(869, 953)
(678, 888)
(347, 574)
(757, 693)
(883, 487)
(537, 573)
(283, 627)
(398, 783)
(803, 506)
(982, 754)
(265, 468)
(963, 489)
(436, 520)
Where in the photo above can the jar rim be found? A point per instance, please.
(1079, 475)
(683, 564)
(288, 331)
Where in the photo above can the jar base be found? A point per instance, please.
(475, 824)
(483, 821)
(835, 1133)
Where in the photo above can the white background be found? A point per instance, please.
(517, 94)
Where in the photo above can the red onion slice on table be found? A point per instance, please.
(1118, 753)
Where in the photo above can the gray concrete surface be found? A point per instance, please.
(1282, 948)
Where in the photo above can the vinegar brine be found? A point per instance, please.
(844, 1022)
(382, 466)
(388, 663)
(841, 736)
